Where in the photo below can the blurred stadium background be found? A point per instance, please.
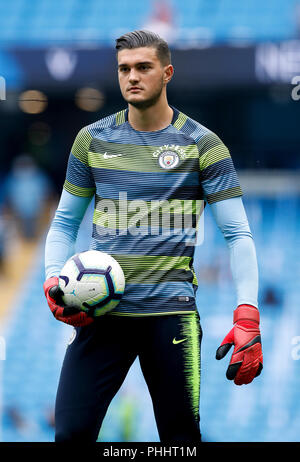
(236, 67)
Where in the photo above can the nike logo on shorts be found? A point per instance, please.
(178, 341)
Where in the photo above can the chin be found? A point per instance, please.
(142, 103)
(135, 101)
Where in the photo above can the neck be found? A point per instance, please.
(153, 118)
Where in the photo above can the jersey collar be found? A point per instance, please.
(174, 118)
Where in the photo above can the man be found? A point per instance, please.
(153, 153)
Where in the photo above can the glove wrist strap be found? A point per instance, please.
(246, 312)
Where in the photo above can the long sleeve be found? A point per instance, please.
(62, 235)
(231, 219)
(78, 190)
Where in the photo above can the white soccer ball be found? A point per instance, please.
(92, 281)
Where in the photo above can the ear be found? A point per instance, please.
(168, 73)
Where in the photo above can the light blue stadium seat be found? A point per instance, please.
(25, 22)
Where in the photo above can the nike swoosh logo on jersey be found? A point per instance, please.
(108, 156)
(178, 341)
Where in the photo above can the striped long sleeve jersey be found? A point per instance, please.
(149, 190)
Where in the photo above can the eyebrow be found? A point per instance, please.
(136, 64)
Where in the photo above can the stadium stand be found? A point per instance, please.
(40, 22)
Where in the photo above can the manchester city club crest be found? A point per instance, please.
(169, 157)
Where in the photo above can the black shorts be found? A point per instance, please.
(99, 357)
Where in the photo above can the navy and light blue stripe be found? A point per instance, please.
(109, 159)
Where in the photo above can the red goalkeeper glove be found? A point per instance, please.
(69, 315)
(247, 360)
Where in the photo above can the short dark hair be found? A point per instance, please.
(145, 38)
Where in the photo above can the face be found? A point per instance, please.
(142, 77)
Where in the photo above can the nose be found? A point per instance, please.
(133, 76)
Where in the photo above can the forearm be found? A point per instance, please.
(62, 235)
(60, 246)
(244, 270)
(231, 218)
